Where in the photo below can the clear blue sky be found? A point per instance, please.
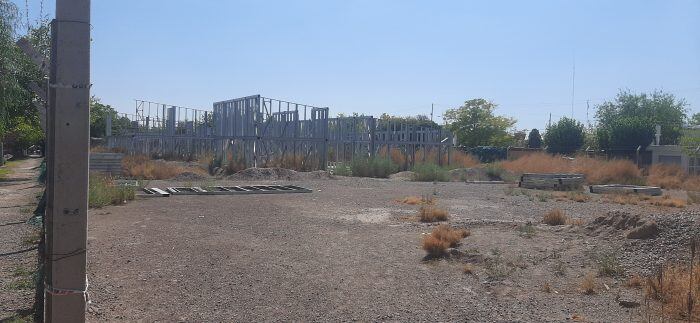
(394, 56)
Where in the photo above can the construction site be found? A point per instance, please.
(259, 209)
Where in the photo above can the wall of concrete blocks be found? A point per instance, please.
(257, 131)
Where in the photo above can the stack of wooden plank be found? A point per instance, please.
(558, 182)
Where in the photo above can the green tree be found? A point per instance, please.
(694, 120)
(18, 113)
(630, 120)
(474, 124)
(534, 139)
(564, 137)
(98, 119)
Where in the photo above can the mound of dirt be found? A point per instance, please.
(261, 174)
(403, 176)
(189, 176)
(618, 221)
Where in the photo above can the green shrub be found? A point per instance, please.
(373, 167)
(494, 171)
(430, 173)
(342, 169)
(102, 192)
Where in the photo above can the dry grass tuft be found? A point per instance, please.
(623, 199)
(441, 238)
(142, 167)
(635, 281)
(555, 217)
(588, 284)
(434, 246)
(546, 287)
(415, 200)
(432, 214)
(671, 287)
(575, 222)
(669, 201)
(452, 236)
(468, 269)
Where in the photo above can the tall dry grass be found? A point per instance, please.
(457, 158)
(142, 167)
(672, 177)
(597, 171)
(672, 287)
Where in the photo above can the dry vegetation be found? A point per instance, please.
(432, 214)
(672, 177)
(142, 167)
(555, 217)
(415, 200)
(441, 238)
(636, 199)
(597, 171)
(673, 287)
(588, 284)
(458, 158)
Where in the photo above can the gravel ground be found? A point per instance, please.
(350, 251)
(18, 256)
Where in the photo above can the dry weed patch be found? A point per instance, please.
(588, 284)
(432, 214)
(635, 281)
(546, 287)
(674, 288)
(669, 201)
(140, 166)
(468, 269)
(415, 200)
(441, 238)
(555, 217)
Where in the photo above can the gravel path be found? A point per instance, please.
(349, 251)
(18, 197)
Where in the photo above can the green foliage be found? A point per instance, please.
(98, 119)
(630, 120)
(429, 172)
(419, 121)
(690, 141)
(102, 192)
(342, 169)
(19, 121)
(695, 120)
(494, 171)
(475, 125)
(564, 137)
(534, 139)
(488, 154)
(373, 167)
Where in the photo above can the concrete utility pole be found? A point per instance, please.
(68, 148)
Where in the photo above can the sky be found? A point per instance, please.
(393, 56)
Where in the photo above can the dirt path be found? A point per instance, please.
(348, 251)
(18, 198)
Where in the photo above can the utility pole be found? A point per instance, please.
(549, 123)
(432, 106)
(67, 181)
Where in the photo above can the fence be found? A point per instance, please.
(257, 131)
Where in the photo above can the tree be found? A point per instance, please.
(19, 121)
(534, 139)
(630, 120)
(564, 137)
(475, 125)
(98, 119)
(419, 121)
(694, 120)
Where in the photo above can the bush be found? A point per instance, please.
(342, 169)
(373, 167)
(430, 173)
(102, 192)
(488, 154)
(534, 139)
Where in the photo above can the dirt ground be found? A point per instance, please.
(18, 256)
(350, 251)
